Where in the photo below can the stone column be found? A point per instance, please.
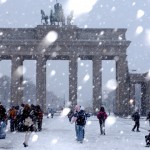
(41, 82)
(147, 96)
(132, 97)
(16, 80)
(132, 91)
(143, 99)
(97, 82)
(73, 80)
(122, 101)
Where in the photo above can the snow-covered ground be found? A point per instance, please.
(59, 134)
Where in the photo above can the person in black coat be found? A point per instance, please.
(148, 117)
(79, 118)
(136, 119)
(147, 140)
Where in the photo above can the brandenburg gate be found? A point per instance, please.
(19, 44)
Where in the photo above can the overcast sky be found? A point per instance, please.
(131, 14)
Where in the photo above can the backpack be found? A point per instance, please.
(101, 117)
(81, 119)
(136, 116)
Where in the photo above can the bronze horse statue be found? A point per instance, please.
(56, 17)
(44, 17)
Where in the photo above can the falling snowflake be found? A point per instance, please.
(102, 33)
(147, 37)
(79, 87)
(112, 84)
(51, 36)
(1, 33)
(54, 141)
(24, 82)
(20, 71)
(65, 112)
(140, 13)
(110, 120)
(139, 30)
(89, 122)
(112, 70)
(53, 72)
(113, 9)
(81, 64)
(3, 1)
(34, 138)
(133, 4)
(85, 26)
(81, 6)
(120, 38)
(131, 101)
(86, 78)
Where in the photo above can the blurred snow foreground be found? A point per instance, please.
(58, 134)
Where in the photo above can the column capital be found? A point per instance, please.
(96, 57)
(121, 57)
(17, 57)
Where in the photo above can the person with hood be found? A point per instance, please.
(102, 116)
(136, 119)
(28, 123)
(79, 118)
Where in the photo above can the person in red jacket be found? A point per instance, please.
(102, 117)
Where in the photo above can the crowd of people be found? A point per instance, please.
(17, 116)
(28, 118)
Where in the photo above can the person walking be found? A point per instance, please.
(102, 116)
(136, 119)
(13, 118)
(148, 117)
(79, 118)
(28, 123)
(39, 117)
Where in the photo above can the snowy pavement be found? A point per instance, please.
(59, 134)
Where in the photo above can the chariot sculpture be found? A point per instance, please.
(56, 16)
